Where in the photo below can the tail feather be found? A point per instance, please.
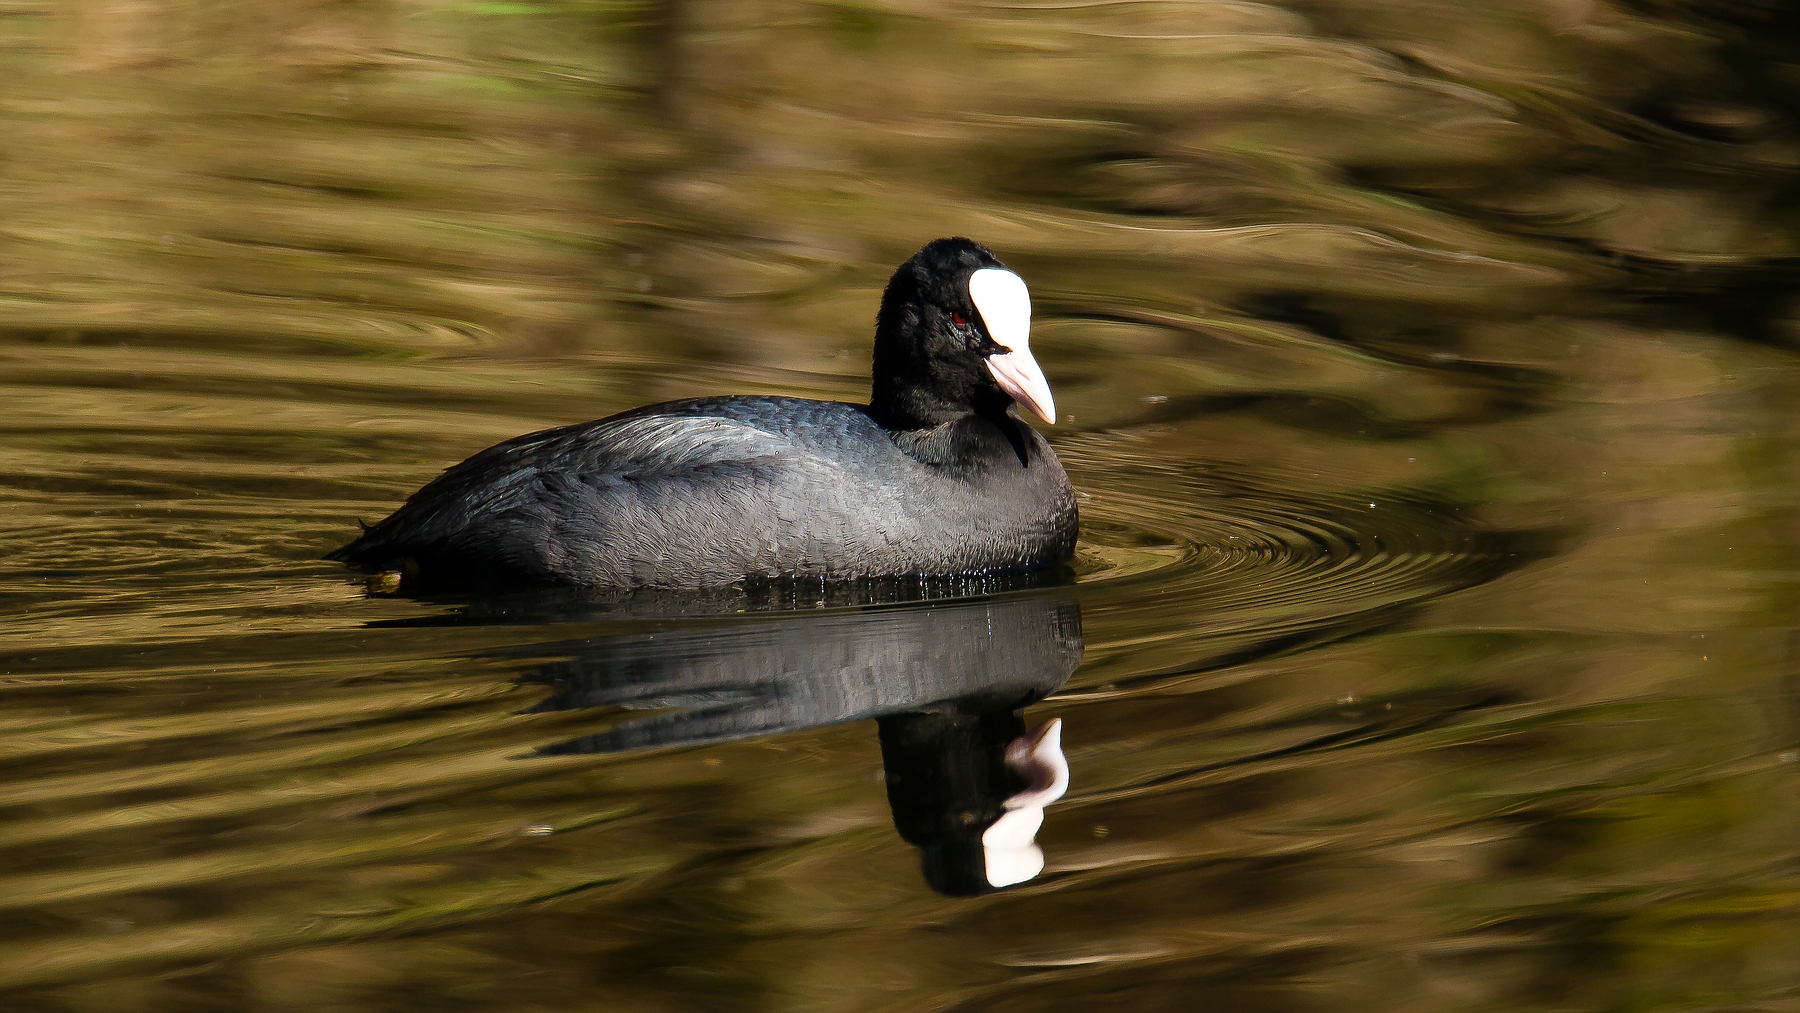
(364, 551)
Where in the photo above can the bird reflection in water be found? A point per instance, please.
(945, 682)
(969, 790)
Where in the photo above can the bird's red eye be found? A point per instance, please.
(958, 319)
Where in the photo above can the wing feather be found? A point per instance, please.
(532, 502)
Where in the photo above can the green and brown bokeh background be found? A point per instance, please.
(1430, 370)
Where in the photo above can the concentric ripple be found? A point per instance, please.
(1226, 564)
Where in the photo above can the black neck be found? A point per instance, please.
(922, 406)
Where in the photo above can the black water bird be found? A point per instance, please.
(935, 475)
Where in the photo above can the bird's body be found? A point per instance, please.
(710, 491)
(704, 492)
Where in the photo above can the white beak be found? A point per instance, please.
(1005, 306)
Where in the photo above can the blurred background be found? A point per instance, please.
(1427, 371)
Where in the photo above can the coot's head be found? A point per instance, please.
(952, 338)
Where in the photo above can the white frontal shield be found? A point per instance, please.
(1004, 303)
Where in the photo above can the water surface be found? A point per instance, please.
(1427, 375)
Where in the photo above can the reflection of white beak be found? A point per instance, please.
(1004, 303)
(1039, 759)
(1010, 843)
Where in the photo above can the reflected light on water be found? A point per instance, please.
(1425, 372)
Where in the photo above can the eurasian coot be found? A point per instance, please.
(935, 475)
